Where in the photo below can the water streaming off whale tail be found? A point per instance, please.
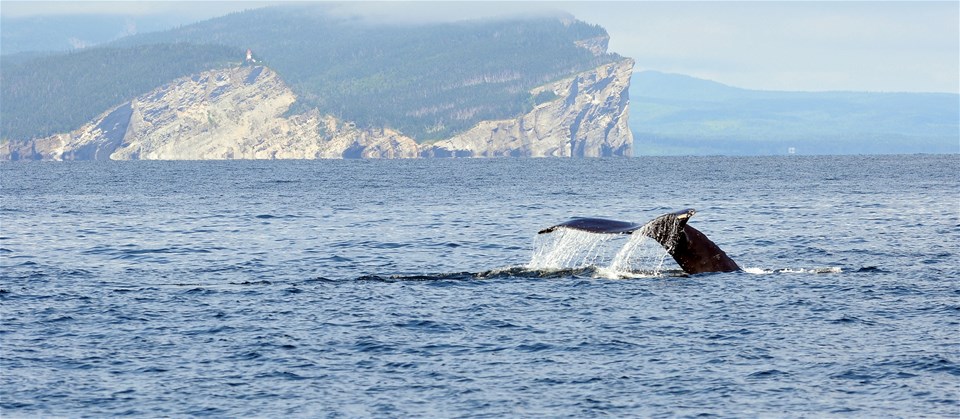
(612, 255)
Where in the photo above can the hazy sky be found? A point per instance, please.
(784, 45)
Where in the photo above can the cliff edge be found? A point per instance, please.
(587, 118)
(241, 113)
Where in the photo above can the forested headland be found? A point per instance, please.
(428, 81)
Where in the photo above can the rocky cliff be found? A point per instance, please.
(241, 113)
(588, 118)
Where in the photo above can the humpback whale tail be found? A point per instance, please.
(693, 251)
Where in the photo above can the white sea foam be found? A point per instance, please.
(613, 255)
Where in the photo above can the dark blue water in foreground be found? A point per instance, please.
(398, 288)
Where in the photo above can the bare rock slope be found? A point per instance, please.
(588, 119)
(241, 113)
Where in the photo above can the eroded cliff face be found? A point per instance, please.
(588, 119)
(235, 113)
(240, 113)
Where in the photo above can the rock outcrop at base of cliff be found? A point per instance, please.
(588, 119)
(241, 113)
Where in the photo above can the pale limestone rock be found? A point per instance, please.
(235, 113)
(239, 113)
(588, 119)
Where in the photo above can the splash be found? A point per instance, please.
(571, 249)
(640, 253)
(613, 255)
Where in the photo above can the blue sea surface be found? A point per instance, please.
(411, 288)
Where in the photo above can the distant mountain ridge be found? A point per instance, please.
(324, 86)
(655, 84)
(679, 114)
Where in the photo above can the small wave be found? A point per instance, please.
(846, 319)
(422, 325)
(260, 282)
(857, 375)
(514, 272)
(131, 252)
(200, 291)
(774, 373)
(210, 331)
(369, 345)
(763, 271)
(285, 375)
(152, 370)
(902, 368)
(60, 319)
(425, 277)
(934, 363)
(246, 356)
(127, 254)
(535, 347)
(319, 279)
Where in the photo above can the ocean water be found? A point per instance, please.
(421, 289)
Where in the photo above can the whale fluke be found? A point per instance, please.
(693, 251)
(596, 225)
